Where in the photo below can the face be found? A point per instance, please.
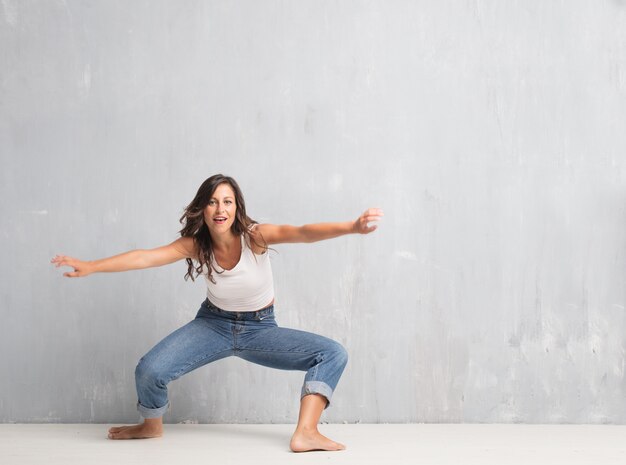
(219, 214)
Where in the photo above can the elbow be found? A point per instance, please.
(143, 259)
(306, 235)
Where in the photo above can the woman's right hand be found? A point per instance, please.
(80, 268)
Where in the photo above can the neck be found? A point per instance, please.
(225, 242)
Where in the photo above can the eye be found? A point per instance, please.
(228, 201)
(211, 202)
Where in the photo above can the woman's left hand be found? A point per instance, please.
(371, 214)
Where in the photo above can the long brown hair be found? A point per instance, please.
(194, 225)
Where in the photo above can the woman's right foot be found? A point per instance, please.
(142, 431)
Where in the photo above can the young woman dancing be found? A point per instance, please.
(220, 241)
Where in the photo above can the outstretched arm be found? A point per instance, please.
(279, 234)
(132, 260)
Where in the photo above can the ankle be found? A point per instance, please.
(306, 429)
(153, 422)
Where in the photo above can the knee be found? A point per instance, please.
(339, 354)
(147, 372)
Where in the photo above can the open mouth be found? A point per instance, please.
(220, 220)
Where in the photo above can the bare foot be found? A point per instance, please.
(304, 441)
(142, 431)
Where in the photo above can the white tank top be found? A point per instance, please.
(248, 287)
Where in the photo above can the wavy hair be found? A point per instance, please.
(195, 226)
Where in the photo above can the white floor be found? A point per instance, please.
(367, 444)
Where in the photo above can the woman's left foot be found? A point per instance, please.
(304, 441)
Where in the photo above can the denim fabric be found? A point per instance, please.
(253, 336)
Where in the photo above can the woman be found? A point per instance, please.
(237, 318)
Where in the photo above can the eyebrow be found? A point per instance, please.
(227, 197)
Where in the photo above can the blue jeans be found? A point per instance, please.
(254, 336)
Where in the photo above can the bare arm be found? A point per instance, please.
(131, 260)
(278, 234)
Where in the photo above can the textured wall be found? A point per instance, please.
(490, 132)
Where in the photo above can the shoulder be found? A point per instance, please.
(260, 231)
(254, 230)
(258, 242)
(186, 246)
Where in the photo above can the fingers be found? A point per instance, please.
(58, 260)
(62, 260)
(374, 212)
(371, 215)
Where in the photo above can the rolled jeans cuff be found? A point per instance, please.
(152, 412)
(317, 387)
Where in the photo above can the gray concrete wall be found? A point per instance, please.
(490, 132)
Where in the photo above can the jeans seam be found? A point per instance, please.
(196, 362)
(277, 350)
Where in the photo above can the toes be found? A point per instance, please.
(117, 429)
(115, 432)
(118, 435)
